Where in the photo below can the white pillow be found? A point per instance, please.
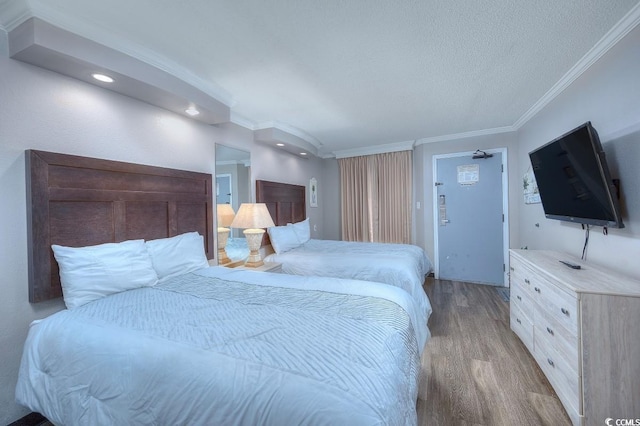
(283, 238)
(177, 255)
(92, 272)
(302, 230)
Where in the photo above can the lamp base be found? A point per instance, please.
(223, 259)
(223, 235)
(250, 264)
(254, 240)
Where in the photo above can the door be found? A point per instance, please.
(470, 212)
(223, 189)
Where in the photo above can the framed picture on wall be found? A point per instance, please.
(530, 188)
(313, 192)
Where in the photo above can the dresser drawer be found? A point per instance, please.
(520, 274)
(560, 305)
(564, 342)
(564, 380)
(521, 325)
(521, 297)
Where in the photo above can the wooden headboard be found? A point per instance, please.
(286, 202)
(79, 201)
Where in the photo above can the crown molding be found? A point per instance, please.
(464, 135)
(241, 120)
(610, 39)
(13, 13)
(376, 149)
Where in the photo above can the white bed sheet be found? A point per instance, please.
(335, 285)
(401, 265)
(226, 347)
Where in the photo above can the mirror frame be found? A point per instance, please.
(226, 155)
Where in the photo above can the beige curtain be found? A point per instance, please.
(376, 197)
(356, 198)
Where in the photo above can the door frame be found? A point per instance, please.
(505, 208)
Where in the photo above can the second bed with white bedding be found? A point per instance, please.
(401, 265)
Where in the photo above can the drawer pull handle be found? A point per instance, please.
(550, 331)
(537, 289)
(519, 298)
(518, 321)
(526, 280)
(550, 361)
(564, 311)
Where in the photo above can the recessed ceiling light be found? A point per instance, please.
(192, 111)
(103, 78)
(279, 144)
(303, 153)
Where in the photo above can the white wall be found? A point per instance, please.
(608, 95)
(46, 111)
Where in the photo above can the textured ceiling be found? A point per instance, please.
(350, 74)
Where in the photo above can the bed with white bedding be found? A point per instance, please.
(401, 265)
(152, 335)
(218, 346)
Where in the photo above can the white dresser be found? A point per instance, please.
(582, 326)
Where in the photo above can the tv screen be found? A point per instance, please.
(574, 180)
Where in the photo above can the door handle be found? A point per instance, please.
(442, 210)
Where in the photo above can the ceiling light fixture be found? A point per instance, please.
(279, 144)
(103, 78)
(303, 153)
(192, 111)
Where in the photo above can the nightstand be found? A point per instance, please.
(267, 267)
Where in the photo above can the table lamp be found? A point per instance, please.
(253, 217)
(225, 215)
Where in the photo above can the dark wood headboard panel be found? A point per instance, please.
(286, 202)
(78, 201)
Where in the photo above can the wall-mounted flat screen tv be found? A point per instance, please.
(574, 181)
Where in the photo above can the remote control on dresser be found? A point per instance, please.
(570, 264)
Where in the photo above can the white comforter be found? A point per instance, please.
(225, 347)
(399, 265)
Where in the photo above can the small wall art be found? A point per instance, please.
(313, 192)
(530, 188)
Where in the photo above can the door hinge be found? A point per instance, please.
(504, 268)
(502, 217)
(502, 168)
(439, 183)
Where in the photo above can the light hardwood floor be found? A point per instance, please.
(479, 372)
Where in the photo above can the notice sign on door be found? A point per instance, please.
(469, 174)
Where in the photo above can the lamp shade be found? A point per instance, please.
(225, 214)
(252, 215)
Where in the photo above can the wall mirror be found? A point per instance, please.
(233, 187)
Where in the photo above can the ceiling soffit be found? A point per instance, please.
(39, 43)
